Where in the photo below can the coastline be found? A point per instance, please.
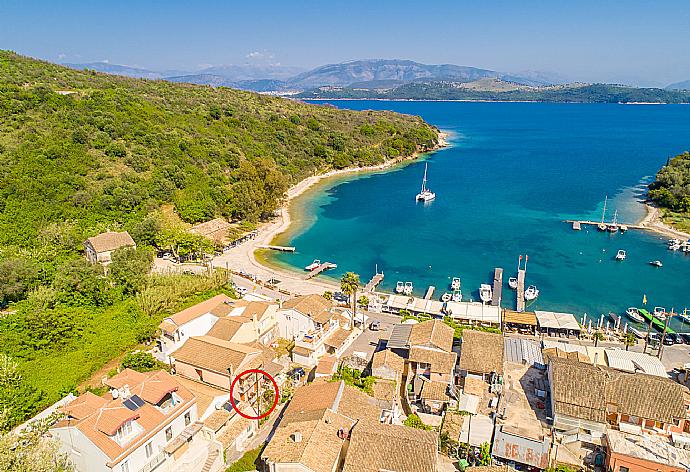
(243, 258)
(652, 222)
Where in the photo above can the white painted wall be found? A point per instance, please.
(197, 327)
(292, 323)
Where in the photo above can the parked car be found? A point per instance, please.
(296, 374)
(653, 339)
(669, 339)
(375, 325)
(685, 337)
(241, 291)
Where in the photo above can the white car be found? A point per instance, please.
(241, 291)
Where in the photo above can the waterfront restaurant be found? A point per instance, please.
(557, 324)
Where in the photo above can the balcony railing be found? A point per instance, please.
(155, 461)
(315, 338)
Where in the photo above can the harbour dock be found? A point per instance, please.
(577, 226)
(374, 282)
(429, 292)
(320, 268)
(656, 322)
(278, 248)
(521, 290)
(581, 223)
(498, 287)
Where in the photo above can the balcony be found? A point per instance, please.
(315, 338)
(155, 461)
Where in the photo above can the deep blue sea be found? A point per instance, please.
(513, 173)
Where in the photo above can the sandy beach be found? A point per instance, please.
(652, 222)
(242, 258)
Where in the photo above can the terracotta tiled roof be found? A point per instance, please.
(481, 352)
(256, 308)
(126, 377)
(216, 230)
(193, 312)
(309, 305)
(435, 391)
(432, 333)
(582, 390)
(388, 358)
(337, 339)
(155, 387)
(110, 241)
(310, 401)
(214, 354)
(326, 365)
(102, 422)
(217, 419)
(441, 361)
(357, 405)
(302, 351)
(226, 328)
(376, 447)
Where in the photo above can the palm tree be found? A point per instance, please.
(598, 336)
(349, 284)
(629, 340)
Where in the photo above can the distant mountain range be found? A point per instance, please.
(400, 79)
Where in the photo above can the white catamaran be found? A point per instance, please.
(425, 195)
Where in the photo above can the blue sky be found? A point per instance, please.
(641, 42)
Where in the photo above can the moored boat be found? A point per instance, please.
(399, 287)
(512, 282)
(685, 315)
(457, 296)
(485, 293)
(531, 293)
(425, 195)
(446, 297)
(634, 314)
(656, 263)
(407, 289)
(313, 265)
(455, 284)
(620, 256)
(659, 313)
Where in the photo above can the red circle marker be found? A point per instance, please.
(275, 389)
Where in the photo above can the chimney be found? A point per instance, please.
(297, 436)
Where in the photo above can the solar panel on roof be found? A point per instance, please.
(133, 403)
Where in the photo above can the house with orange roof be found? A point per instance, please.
(100, 248)
(146, 421)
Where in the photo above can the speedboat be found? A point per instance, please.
(624, 228)
(457, 296)
(660, 313)
(620, 256)
(685, 315)
(531, 293)
(446, 297)
(313, 265)
(407, 290)
(634, 314)
(485, 293)
(656, 263)
(425, 195)
(399, 287)
(601, 226)
(455, 284)
(512, 283)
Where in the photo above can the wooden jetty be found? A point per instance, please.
(597, 223)
(521, 290)
(498, 287)
(429, 292)
(278, 248)
(373, 283)
(321, 268)
(577, 226)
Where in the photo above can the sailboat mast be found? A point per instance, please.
(424, 180)
(603, 213)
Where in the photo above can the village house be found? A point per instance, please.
(217, 362)
(481, 354)
(229, 430)
(646, 453)
(315, 426)
(315, 327)
(100, 248)
(256, 322)
(146, 421)
(387, 365)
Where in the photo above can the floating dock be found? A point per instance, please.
(429, 292)
(581, 223)
(656, 322)
(374, 282)
(498, 287)
(278, 248)
(321, 268)
(521, 290)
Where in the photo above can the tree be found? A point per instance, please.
(485, 454)
(142, 362)
(328, 295)
(414, 421)
(130, 267)
(79, 282)
(349, 284)
(363, 301)
(146, 232)
(17, 275)
(629, 340)
(17, 398)
(31, 451)
(597, 336)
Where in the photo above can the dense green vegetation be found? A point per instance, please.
(248, 462)
(82, 152)
(457, 327)
(593, 93)
(671, 191)
(354, 378)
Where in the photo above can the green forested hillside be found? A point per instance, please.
(671, 191)
(82, 152)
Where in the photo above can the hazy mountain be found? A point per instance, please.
(238, 73)
(117, 69)
(214, 80)
(684, 85)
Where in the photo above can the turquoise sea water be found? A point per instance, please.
(513, 173)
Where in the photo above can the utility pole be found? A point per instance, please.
(663, 336)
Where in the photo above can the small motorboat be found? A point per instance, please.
(601, 226)
(685, 315)
(457, 296)
(656, 263)
(407, 290)
(531, 293)
(623, 228)
(485, 293)
(512, 283)
(399, 287)
(634, 314)
(620, 256)
(446, 297)
(313, 265)
(660, 313)
(455, 284)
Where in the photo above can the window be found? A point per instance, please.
(187, 418)
(125, 466)
(149, 450)
(623, 469)
(168, 433)
(125, 430)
